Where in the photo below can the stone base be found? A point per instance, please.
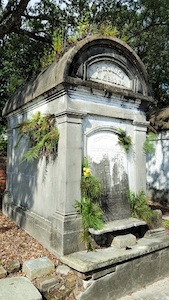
(61, 235)
(112, 273)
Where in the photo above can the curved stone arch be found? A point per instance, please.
(69, 71)
(97, 129)
(109, 163)
(82, 52)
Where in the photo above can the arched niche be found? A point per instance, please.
(109, 162)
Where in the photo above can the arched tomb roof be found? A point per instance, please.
(103, 63)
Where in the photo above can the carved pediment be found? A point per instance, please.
(109, 73)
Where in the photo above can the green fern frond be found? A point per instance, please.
(124, 140)
(92, 217)
(42, 135)
(139, 207)
(149, 144)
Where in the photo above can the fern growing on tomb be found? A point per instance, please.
(124, 140)
(42, 135)
(140, 209)
(88, 206)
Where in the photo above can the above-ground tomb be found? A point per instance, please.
(96, 89)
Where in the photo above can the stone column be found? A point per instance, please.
(140, 129)
(66, 222)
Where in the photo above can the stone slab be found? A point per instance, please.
(118, 225)
(38, 267)
(123, 241)
(18, 288)
(85, 262)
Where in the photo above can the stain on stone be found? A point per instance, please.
(114, 201)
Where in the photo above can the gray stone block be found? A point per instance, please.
(62, 269)
(38, 267)
(123, 241)
(13, 266)
(18, 288)
(3, 272)
(47, 284)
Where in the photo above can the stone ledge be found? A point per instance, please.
(118, 225)
(85, 262)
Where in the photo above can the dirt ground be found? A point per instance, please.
(17, 244)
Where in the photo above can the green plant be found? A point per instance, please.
(149, 146)
(92, 217)
(42, 135)
(140, 209)
(55, 52)
(124, 140)
(166, 223)
(88, 206)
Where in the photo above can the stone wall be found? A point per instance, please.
(158, 169)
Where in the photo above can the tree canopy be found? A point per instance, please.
(32, 37)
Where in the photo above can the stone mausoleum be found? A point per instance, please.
(98, 87)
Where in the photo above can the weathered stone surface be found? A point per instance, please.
(118, 225)
(47, 283)
(156, 291)
(62, 269)
(103, 273)
(158, 220)
(18, 288)
(158, 232)
(90, 261)
(129, 276)
(38, 267)
(123, 241)
(13, 266)
(3, 272)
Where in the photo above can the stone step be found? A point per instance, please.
(118, 225)
(18, 288)
(85, 262)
